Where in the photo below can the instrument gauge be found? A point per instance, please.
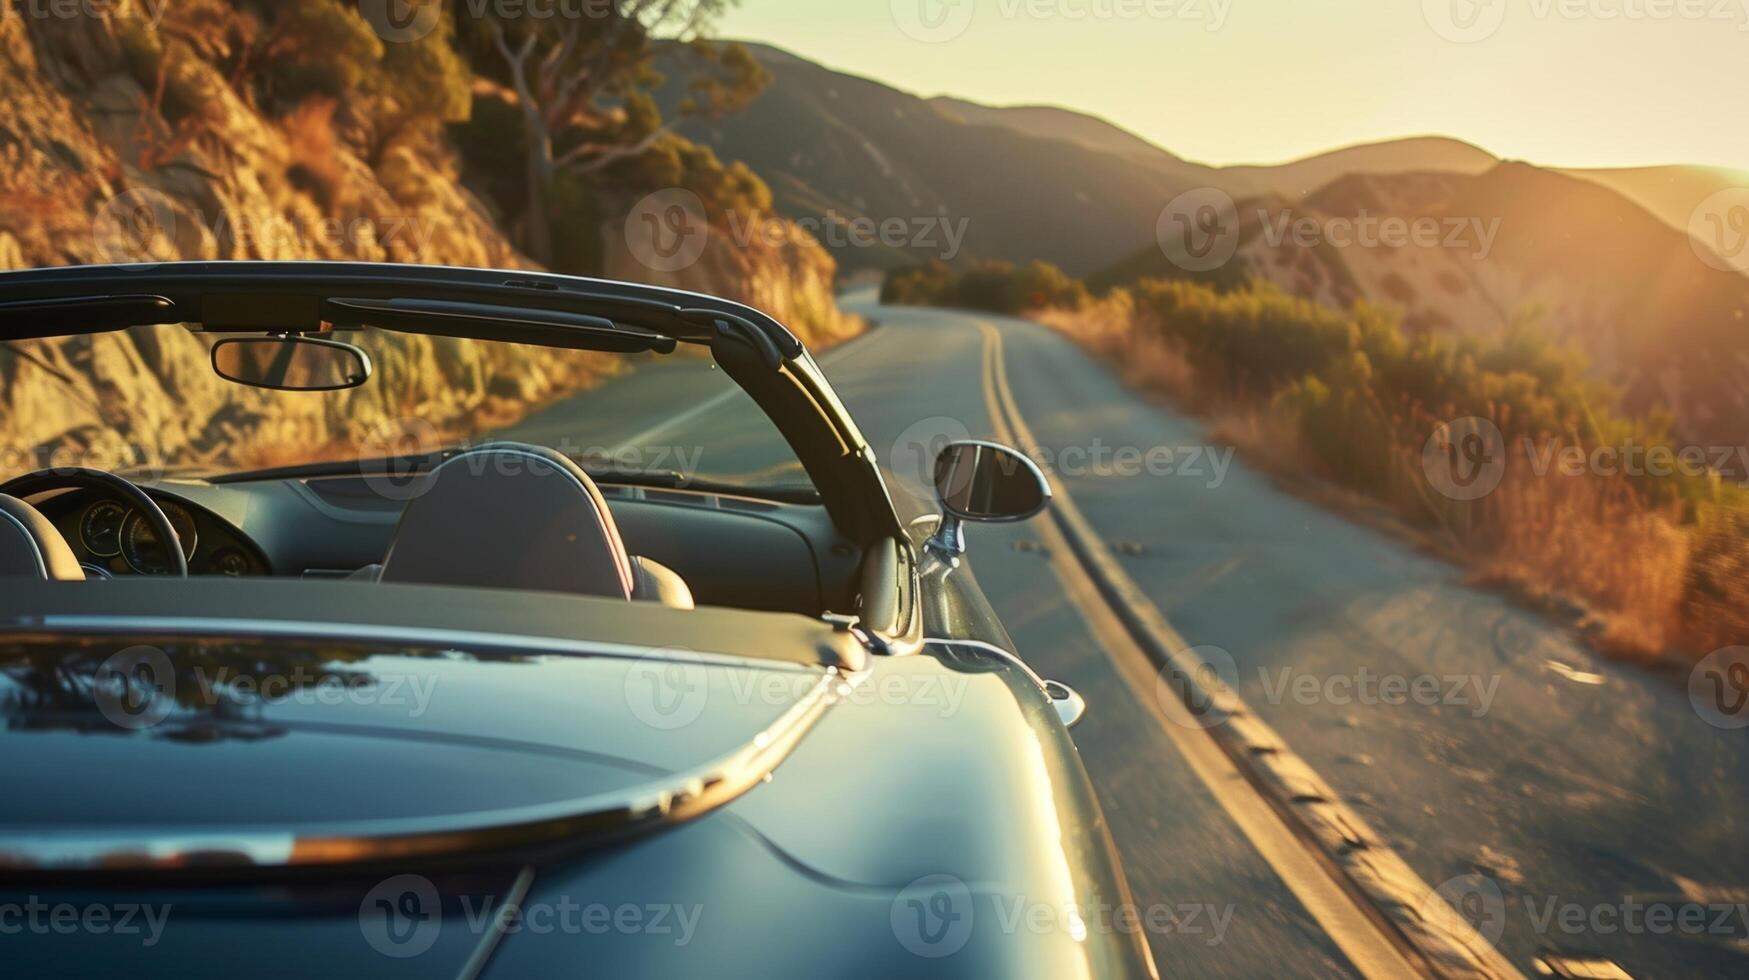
(139, 542)
(100, 528)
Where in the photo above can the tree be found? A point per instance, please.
(583, 83)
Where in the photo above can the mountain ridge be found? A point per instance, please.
(837, 147)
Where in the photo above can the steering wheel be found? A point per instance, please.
(57, 479)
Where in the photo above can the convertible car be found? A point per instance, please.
(505, 707)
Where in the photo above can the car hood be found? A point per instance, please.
(288, 738)
(933, 822)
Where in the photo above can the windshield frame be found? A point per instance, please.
(759, 354)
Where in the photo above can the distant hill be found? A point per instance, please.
(1421, 154)
(1603, 252)
(1052, 122)
(835, 146)
(1671, 193)
(1028, 182)
(1605, 274)
(1293, 180)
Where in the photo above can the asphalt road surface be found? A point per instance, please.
(1568, 805)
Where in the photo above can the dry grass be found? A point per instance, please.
(1641, 582)
(1591, 539)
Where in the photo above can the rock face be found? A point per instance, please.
(782, 271)
(96, 167)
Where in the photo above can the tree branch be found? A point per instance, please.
(609, 153)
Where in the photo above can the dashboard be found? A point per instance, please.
(734, 552)
(111, 537)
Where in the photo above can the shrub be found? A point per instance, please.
(995, 287)
(1660, 563)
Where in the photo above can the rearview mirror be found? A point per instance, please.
(986, 483)
(291, 363)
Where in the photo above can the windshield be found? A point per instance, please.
(675, 420)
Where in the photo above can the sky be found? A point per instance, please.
(1579, 83)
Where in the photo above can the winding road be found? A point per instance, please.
(1556, 799)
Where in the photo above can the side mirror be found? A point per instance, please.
(291, 363)
(987, 483)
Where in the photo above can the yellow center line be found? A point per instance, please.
(1351, 925)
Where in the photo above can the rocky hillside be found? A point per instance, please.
(1595, 270)
(128, 141)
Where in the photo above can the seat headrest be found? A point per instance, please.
(510, 516)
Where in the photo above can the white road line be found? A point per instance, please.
(647, 437)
